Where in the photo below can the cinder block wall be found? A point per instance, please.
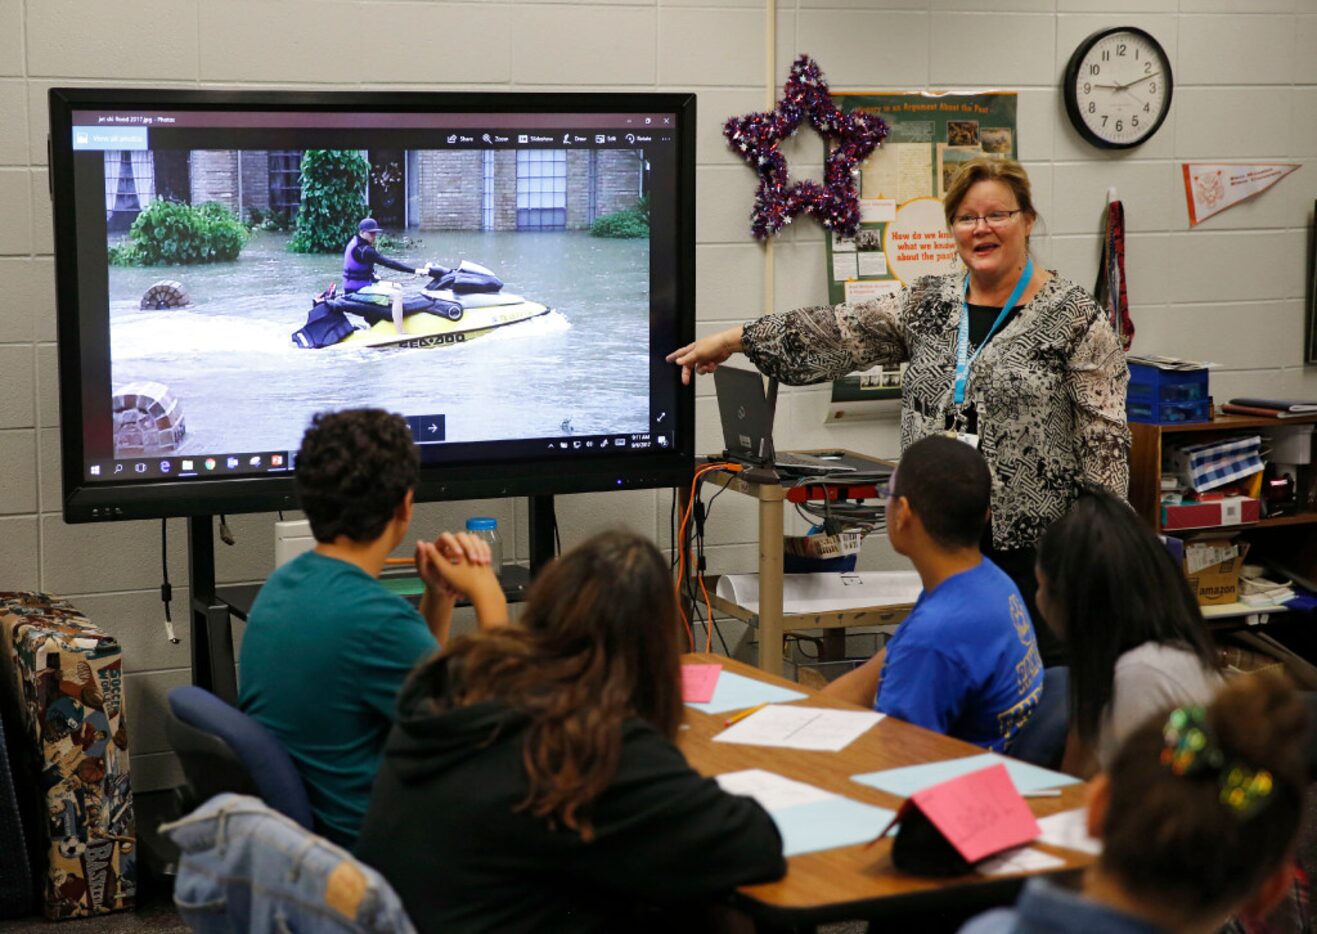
(1231, 291)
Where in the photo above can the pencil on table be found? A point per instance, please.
(743, 714)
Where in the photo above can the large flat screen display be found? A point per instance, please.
(505, 270)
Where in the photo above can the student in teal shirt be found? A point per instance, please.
(327, 646)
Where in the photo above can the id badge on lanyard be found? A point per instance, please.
(959, 423)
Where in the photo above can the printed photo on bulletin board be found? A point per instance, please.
(903, 233)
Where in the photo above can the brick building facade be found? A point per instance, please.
(215, 176)
(447, 190)
(452, 190)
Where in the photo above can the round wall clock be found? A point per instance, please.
(1118, 87)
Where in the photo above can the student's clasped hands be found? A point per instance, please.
(455, 563)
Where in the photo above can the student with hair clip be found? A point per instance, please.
(1198, 814)
(1137, 641)
(531, 781)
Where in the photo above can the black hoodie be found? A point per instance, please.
(443, 829)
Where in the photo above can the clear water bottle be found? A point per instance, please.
(487, 528)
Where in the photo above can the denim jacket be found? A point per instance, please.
(246, 867)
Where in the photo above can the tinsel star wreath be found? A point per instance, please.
(756, 136)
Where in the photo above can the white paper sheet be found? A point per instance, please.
(794, 727)
(822, 593)
(872, 264)
(843, 266)
(1069, 830)
(864, 290)
(807, 817)
(877, 210)
(1024, 859)
(771, 790)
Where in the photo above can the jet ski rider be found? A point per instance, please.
(359, 261)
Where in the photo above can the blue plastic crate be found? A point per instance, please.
(1167, 413)
(1149, 384)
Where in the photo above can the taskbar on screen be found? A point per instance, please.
(155, 467)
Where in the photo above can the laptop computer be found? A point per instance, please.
(747, 413)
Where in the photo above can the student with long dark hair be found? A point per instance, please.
(1137, 641)
(1198, 813)
(531, 781)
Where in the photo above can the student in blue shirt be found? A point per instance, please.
(964, 662)
(1198, 817)
(327, 646)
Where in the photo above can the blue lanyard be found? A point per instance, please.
(963, 358)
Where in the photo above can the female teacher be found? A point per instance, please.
(1011, 357)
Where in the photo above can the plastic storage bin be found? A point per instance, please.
(1162, 397)
(1167, 413)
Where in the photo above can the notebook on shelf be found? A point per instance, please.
(1291, 406)
(747, 411)
(1254, 411)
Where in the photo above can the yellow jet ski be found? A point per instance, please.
(456, 306)
(480, 315)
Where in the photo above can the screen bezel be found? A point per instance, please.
(85, 501)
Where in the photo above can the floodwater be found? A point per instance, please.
(244, 386)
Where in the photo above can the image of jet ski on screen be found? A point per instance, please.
(455, 306)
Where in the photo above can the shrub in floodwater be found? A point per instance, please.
(269, 221)
(332, 183)
(172, 233)
(624, 225)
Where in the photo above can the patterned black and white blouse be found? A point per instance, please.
(1048, 389)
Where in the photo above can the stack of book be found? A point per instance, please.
(1270, 408)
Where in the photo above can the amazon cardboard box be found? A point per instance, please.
(1212, 567)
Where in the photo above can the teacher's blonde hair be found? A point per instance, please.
(987, 169)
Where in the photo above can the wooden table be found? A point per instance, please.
(854, 881)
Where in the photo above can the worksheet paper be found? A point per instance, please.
(1069, 830)
(822, 729)
(827, 591)
(737, 692)
(807, 817)
(906, 781)
(1013, 862)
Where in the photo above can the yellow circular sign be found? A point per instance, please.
(918, 243)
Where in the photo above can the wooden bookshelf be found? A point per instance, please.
(1146, 461)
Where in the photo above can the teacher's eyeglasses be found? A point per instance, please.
(992, 219)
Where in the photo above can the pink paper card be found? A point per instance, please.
(698, 682)
(980, 813)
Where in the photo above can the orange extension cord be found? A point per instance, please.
(681, 560)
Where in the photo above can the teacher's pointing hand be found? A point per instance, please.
(704, 355)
